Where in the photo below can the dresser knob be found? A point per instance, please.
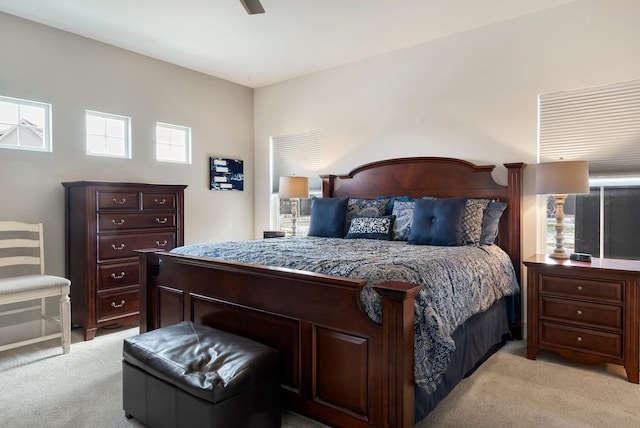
(579, 339)
(117, 305)
(114, 276)
(162, 244)
(161, 221)
(117, 248)
(160, 201)
(579, 287)
(118, 223)
(119, 202)
(579, 312)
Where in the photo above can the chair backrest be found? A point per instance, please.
(21, 249)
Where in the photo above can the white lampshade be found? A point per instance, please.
(562, 178)
(293, 187)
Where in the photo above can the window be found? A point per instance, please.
(108, 135)
(295, 154)
(600, 125)
(25, 125)
(173, 143)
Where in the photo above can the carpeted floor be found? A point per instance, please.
(41, 387)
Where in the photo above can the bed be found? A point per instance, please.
(343, 366)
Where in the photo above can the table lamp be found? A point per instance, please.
(560, 179)
(293, 188)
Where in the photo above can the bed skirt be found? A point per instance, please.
(476, 340)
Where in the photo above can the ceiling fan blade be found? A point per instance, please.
(252, 6)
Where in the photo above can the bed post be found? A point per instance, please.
(397, 355)
(149, 269)
(514, 244)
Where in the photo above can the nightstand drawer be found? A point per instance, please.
(598, 315)
(612, 291)
(596, 342)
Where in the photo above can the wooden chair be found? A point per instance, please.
(22, 279)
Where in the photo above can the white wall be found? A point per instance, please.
(73, 74)
(471, 95)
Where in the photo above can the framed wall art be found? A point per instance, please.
(226, 174)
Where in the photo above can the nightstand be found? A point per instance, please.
(585, 311)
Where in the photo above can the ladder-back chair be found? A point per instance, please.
(22, 279)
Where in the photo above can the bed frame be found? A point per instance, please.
(340, 367)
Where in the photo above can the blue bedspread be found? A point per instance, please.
(457, 282)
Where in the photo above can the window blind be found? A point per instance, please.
(297, 154)
(599, 124)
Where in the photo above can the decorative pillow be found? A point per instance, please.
(392, 201)
(437, 222)
(472, 220)
(371, 227)
(403, 211)
(327, 217)
(491, 221)
(364, 207)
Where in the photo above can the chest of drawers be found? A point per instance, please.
(586, 312)
(105, 223)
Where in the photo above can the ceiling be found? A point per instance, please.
(292, 38)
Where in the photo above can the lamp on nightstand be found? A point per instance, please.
(559, 179)
(293, 188)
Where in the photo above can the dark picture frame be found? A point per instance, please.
(226, 174)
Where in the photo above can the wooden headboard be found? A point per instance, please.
(440, 178)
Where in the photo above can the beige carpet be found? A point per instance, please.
(41, 387)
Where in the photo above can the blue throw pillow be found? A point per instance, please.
(491, 221)
(371, 227)
(437, 222)
(327, 217)
(364, 207)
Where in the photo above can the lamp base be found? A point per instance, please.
(559, 255)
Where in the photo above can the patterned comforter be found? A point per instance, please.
(457, 282)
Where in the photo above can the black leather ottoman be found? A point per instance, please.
(190, 375)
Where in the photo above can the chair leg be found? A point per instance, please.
(43, 314)
(65, 320)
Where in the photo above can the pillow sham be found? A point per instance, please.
(392, 201)
(437, 222)
(472, 220)
(327, 217)
(379, 227)
(403, 212)
(491, 221)
(364, 207)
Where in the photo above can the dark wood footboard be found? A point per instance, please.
(340, 367)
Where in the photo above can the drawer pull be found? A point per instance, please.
(160, 201)
(114, 276)
(117, 248)
(163, 221)
(579, 338)
(119, 202)
(163, 243)
(117, 305)
(118, 223)
(579, 311)
(579, 287)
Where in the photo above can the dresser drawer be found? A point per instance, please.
(598, 315)
(118, 200)
(121, 246)
(114, 305)
(158, 201)
(114, 221)
(612, 291)
(117, 275)
(596, 342)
